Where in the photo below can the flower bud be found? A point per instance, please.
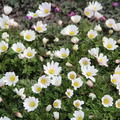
(75, 47)
(18, 114)
(76, 18)
(60, 22)
(48, 108)
(89, 83)
(7, 10)
(75, 40)
(56, 115)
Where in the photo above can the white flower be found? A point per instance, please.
(98, 28)
(40, 27)
(7, 10)
(72, 75)
(5, 35)
(57, 103)
(4, 118)
(56, 80)
(3, 46)
(117, 70)
(107, 101)
(98, 15)
(56, 39)
(70, 30)
(48, 108)
(95, 6)
(74, 40)
(110, 44)
(45, 40)
(29, 53)
(77, 83)
(84, 61)
(36, 88)
(75, 47)
(62, 53)
(92, 34)
(52, 68)
(10, 78)
(69, 93)
(102, 60)
(45, 9)
(94, 52)
(109, 23)
(56, 115)
(118, 87)
(115, 79)
(76, 19)
(20, 93)
(89, 72)
(88, 12)
(29, 35)
(116, 26)
(78, 103)
(92, 95)
(32, 14)
(117, 103)
(78, 115)
(18, 47)
(44, 81)
(30, 104)
(2, 82)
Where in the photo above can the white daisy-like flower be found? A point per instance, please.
(110, 44)
(57, 103)
(95, 6)
(88, 12)
(29, 35)
(40, 27)
(36, 88)
(92, 34)
(44, 81)
(18, 47)
(117, 70)
(30, 104)
(4, 118)
(76, 18)
(78, 103)
(56, 80)
(72, 75)
(69, 93)
(70, 30)
(94, 52)
(89, 72)
(116, 26)
(29, 53)
(52, 68)
(62, 53)
(115, 79)
(3, 46)
(20, 93)
(109, 23)
(32, 14)
(117, 103)
(107, 101)
(102, 60)
(78, 115)
(44, 9)
(10, 78)
(98, 15)
(84, 61)
(77, 83)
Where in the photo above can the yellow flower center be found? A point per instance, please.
(68, 93)
(76, 84)
(77, 104)
(35, 15)
(72, 76)
(109, 46)
(12, 78)
(4, 48)
(72, 33)
(89, 74)
(100, 60)
(79, 118)
(46, 11)
(85, 62)
(117, 73)
(38, 89)
(29, 54)
(91, 36)
(32, 104)
(51, 71)
(106, 101)
(114, 80)
(110, 24)
(39, 28)
(18, 49)
(87, 13)
(64, 55)
(28, 37)
(6, 25)
(118, 104)
(55, 104)
(43, 80)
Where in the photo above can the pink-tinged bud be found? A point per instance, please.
(115, 4)
(57, 9)
(19, 115)
(28, 17)
(117, 61)
(71, 14)
(89, 83)
(1, 100)
(103, 18)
